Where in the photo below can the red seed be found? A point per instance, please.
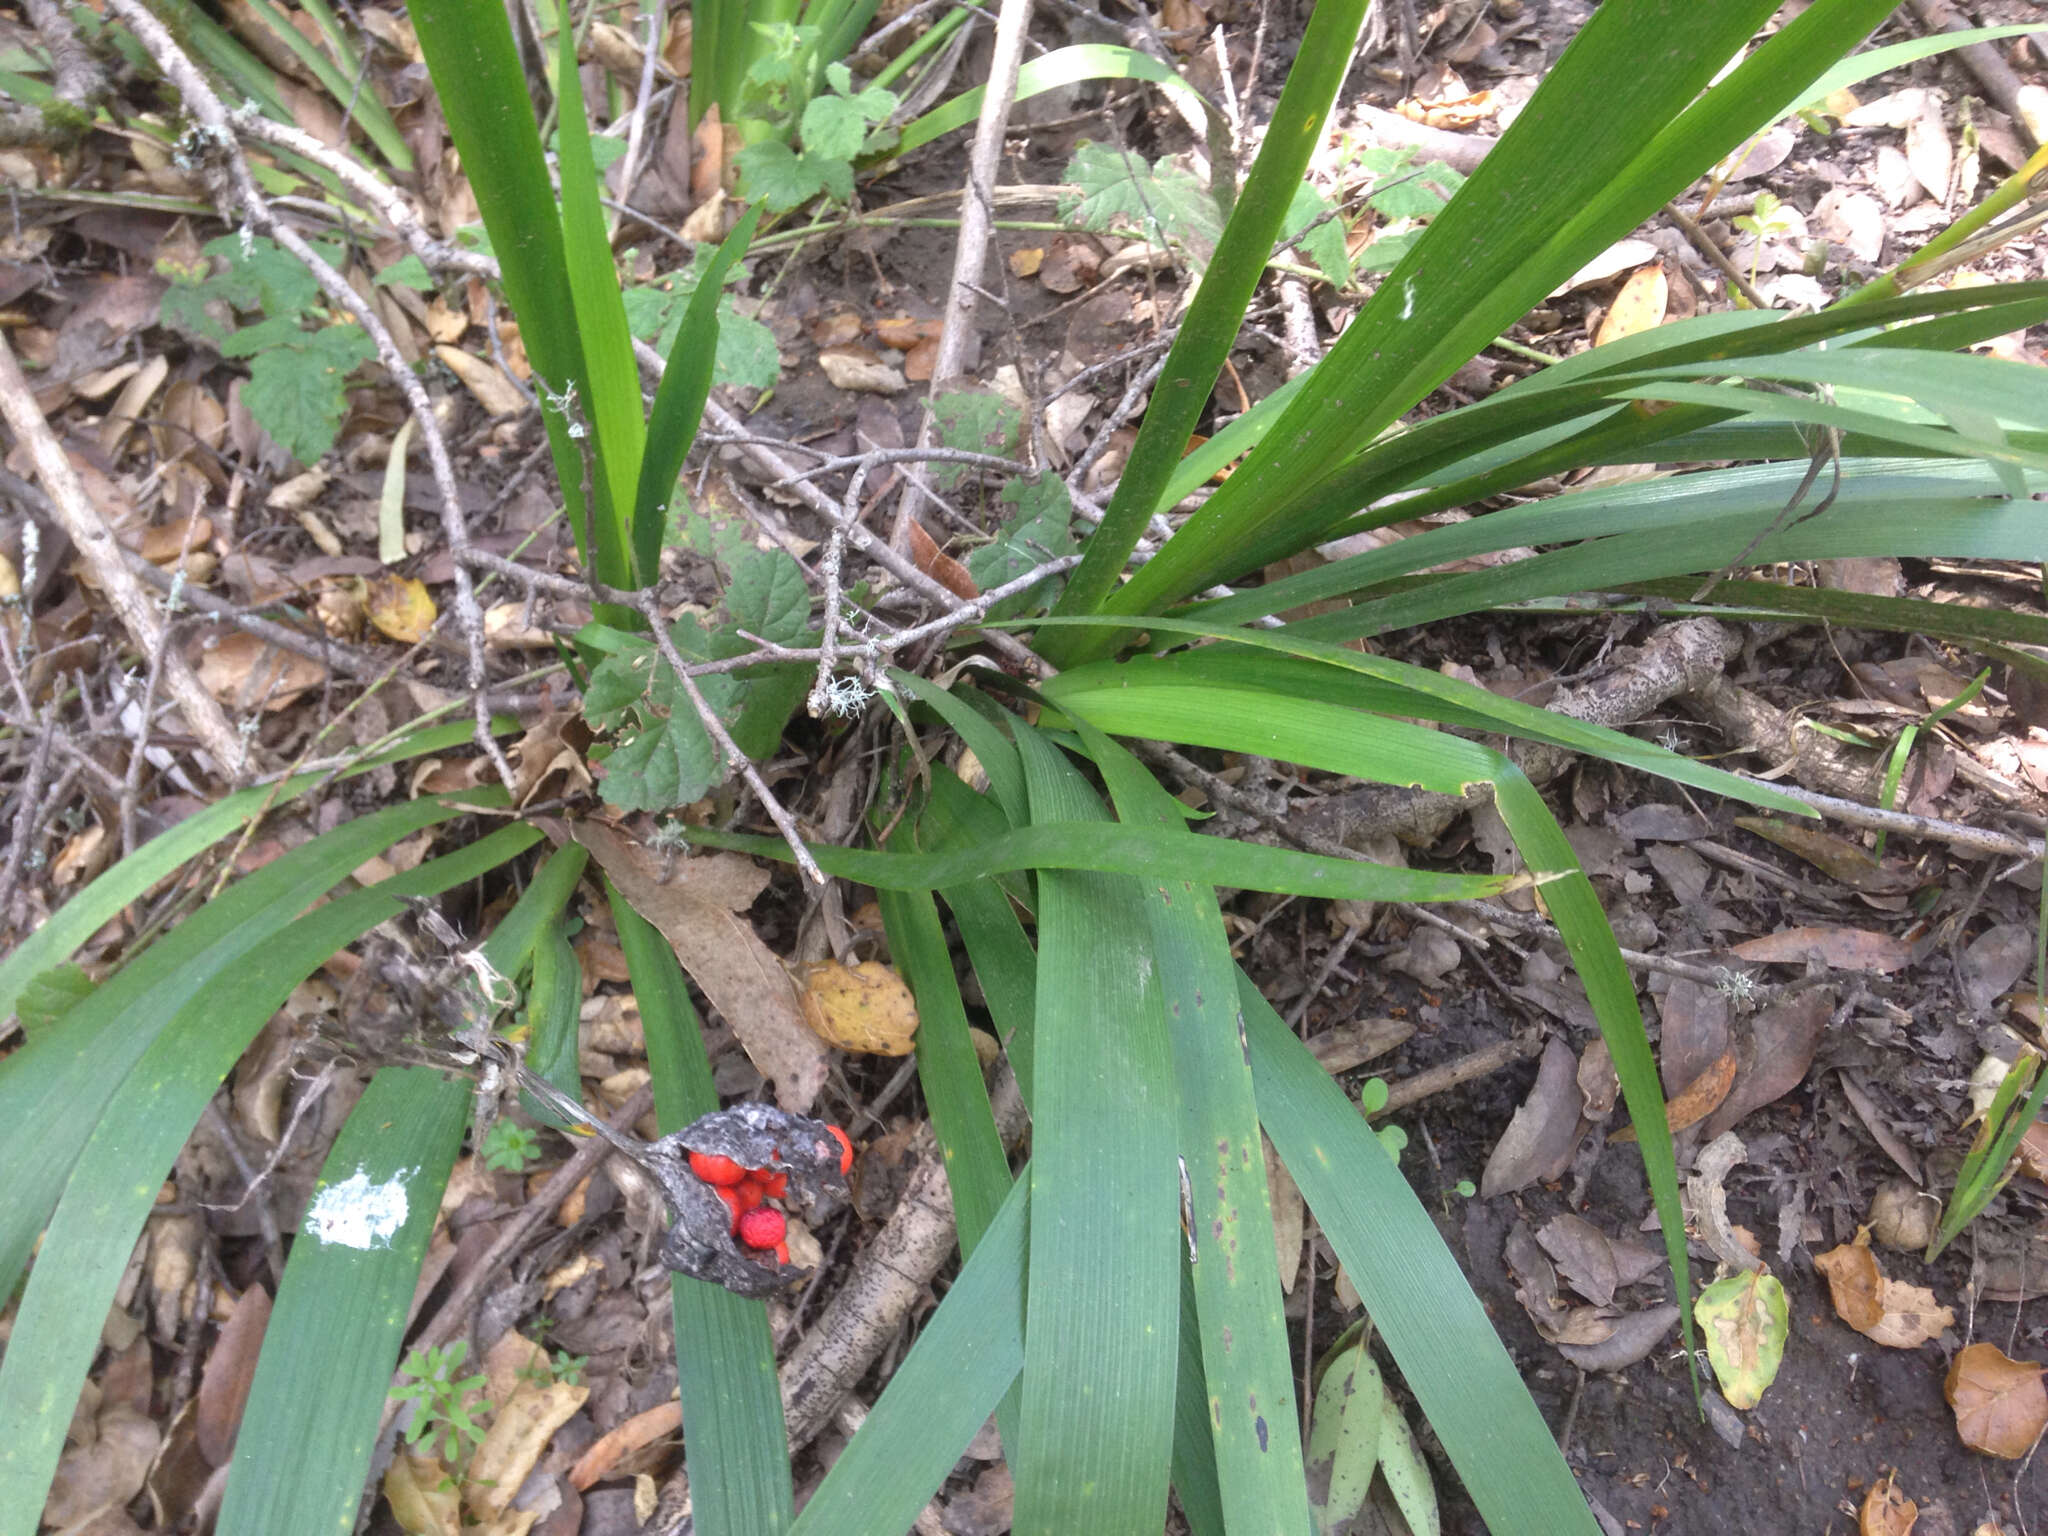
(773, 1185)
(845, 1149)
(761, 1228)
(731, 1197)
(782, 1253)
(749, 1193)
(716, 1170)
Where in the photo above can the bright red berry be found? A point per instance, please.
(845, 1149)
(762, 1228)
(782, 1253)
(773, 1185)
(731, 1197)
(749, 1191)
(716, 1170)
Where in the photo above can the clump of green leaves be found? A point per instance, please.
(440, 1395)
(833, 129)
(659, 754)
(299, 356)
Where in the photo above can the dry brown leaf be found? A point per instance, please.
(107, 1472)
(642, 1429)
(1928, 150)
(1638, 307)
(921, 361)
(1540, 1139)
(905, 331)
(1289, 1217)
(1353, 1044)
(1776, 1056)
(863, 1008)
(2000, 1403)
(224, 1384)
(1703, 1095)
(243, 672)
(518, 1435)
(498, 395)
(1886, 1511)
(423, 1498)
(940, 566)
(399, 607)
(1845, 949)
(1890, 1312)
(1846, 861)
(700, 912)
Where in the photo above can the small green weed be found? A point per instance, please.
(299, 360)
(439, 1392)
(510, 1148)
(835, 129)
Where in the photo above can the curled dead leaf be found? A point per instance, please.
(701, 912)
(2000, 1404)
(864, 1008)
(1890, 1312)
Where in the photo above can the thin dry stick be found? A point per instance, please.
(138, 612)
(728, 748)
(970, 250)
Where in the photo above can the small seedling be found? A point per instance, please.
(510, 1148)
(1989, 1163)
(439, 1394)
(1768, 217)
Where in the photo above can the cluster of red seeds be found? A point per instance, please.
(745, 1192)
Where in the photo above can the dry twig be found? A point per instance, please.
(139, 613)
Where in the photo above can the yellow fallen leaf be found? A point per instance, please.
(400, 607)
(1638, 307)
(422, 1496)
(514, 1443)
(1026, 263)
(864, 1008)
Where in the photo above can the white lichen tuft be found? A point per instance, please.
(359, 1214)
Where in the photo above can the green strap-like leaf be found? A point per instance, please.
(1412, 1288)
(53, 1091)
(133, 1142)
(1210, 329)
(1096, 1423)
(91, 909)
(966, 1356)
(679, 399)
(302, 1454)
(1245, 1364)
(735, 1444)
(1143, 851)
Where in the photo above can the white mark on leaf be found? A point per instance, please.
(1408, 298)
(359, 1214)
